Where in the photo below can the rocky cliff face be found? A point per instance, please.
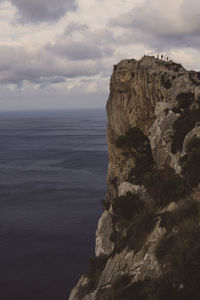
(151, 219)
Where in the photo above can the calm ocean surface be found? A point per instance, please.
(53, 169)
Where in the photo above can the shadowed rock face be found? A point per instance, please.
(155, 97)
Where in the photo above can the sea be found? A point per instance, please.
(53, 167)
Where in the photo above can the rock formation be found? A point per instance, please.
(148, 238)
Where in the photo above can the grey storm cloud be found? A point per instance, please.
(17, 66)
(157, 28)
(42, 10)
(92, 46)
(76, 50)
(74, 26)
(55, 62)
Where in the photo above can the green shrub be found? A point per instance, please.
(143, 164)
(174, 66)
(185, 123)
(193, 144)
(104, 294)
(133, 224)
(164, 186)
(137, 145)
(133, 138)
(121, 281)
(190, 163)
(176, 110)
(185, 99)
(105, 204)
(190, 169)
(166, 82)
(128, 205)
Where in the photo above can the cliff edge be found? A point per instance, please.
(148, 238)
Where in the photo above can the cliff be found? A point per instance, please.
(148, 238)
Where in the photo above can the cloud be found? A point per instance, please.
(161, 24)
(76, 50)
(18, 65)
(42, 10)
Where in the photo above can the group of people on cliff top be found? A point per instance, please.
(163, 57)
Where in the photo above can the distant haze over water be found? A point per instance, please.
(53, 169)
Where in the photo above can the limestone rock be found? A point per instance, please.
(126, 187)
(160, 136)
(105, 228)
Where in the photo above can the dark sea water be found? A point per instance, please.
(52, 177)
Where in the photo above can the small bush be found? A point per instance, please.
(185, 123)
(192, 144)
(176, 110)
(174, 66)
(105, 204)
(185, 99)
(166, 82)
(132, 228)
(138, 146)
(128, 205)
(164, 186)
(133, 138)
(143, 164)
(121, 281)
(190, 167)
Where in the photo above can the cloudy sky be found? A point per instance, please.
(60, 53)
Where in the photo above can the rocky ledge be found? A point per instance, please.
(148, 238)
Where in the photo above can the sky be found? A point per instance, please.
(59, 54)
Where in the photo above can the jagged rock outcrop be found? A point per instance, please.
(153, 179)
